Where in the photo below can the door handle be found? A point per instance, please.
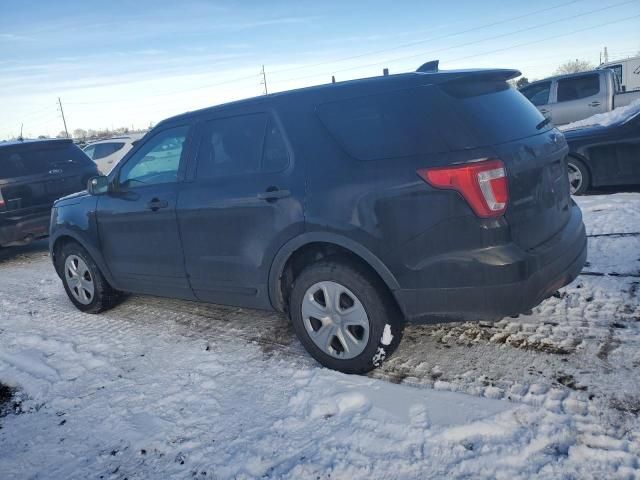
(273, 193)
(543, 111)
(594, 104)
(156, 204)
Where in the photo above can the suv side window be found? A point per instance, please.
(578, 87)
(233, 146)
(90, 151)
(105, 149)
(537, 94)
(157, 161)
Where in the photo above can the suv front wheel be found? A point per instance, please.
(84, 283)
(344, 316)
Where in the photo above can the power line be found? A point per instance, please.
(397, 47)
(546, 38)
(176, 92)
(424, 54)
(431, 39)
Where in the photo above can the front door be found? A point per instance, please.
(538, 94)
(243, 203)
(137, 221)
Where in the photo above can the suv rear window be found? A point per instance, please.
(430, 119)
(33, 159)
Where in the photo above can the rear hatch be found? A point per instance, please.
(34, 174)
(496, 119)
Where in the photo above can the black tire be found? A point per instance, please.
(579, 166)
(103, 297)
(380, 308)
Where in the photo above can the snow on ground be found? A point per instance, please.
(161, 388)
(605, 119)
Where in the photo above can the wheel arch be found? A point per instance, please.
(311, 246)
(63, 238)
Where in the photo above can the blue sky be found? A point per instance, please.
(120, 63)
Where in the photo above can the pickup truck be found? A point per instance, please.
(568, 98)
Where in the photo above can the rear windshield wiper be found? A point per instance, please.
(543, 123)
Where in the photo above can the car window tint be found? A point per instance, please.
(537, 94)
(578, 87)
(90, 151)
(32, 160)
(617, 70)
(393, 124)
(157, 161)
(275, 156)
(231, 146)
(105, 149)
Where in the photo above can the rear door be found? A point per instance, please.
(579, 97)
(245, 200)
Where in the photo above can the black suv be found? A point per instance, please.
(33, 174)
(353, 207)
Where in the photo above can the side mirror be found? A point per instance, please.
(98, 185)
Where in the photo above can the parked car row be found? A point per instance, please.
(107, 153)
(568, 98)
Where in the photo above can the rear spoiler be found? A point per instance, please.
(500, 74)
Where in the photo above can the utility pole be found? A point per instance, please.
(264, 81)
(63, 120)
(606, 55)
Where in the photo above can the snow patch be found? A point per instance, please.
(605, 119)
(387, 336)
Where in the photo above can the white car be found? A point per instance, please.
(107, 153)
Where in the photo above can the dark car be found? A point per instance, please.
(353, 207)
(605, 155)
(33, 174)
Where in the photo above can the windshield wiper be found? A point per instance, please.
(543, 123)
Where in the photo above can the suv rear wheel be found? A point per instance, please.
(84, 283)
(344, 316)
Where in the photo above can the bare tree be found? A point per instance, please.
(574, 66)
(522, 82)
(79, 133)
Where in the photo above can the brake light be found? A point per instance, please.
(483, 184)
(1, 200)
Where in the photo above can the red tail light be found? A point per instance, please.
(483, 184)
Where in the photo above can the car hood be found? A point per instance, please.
(71, 199)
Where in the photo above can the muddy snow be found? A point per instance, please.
(161, 388)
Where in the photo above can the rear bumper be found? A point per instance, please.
(528, 278)
(19, 230)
